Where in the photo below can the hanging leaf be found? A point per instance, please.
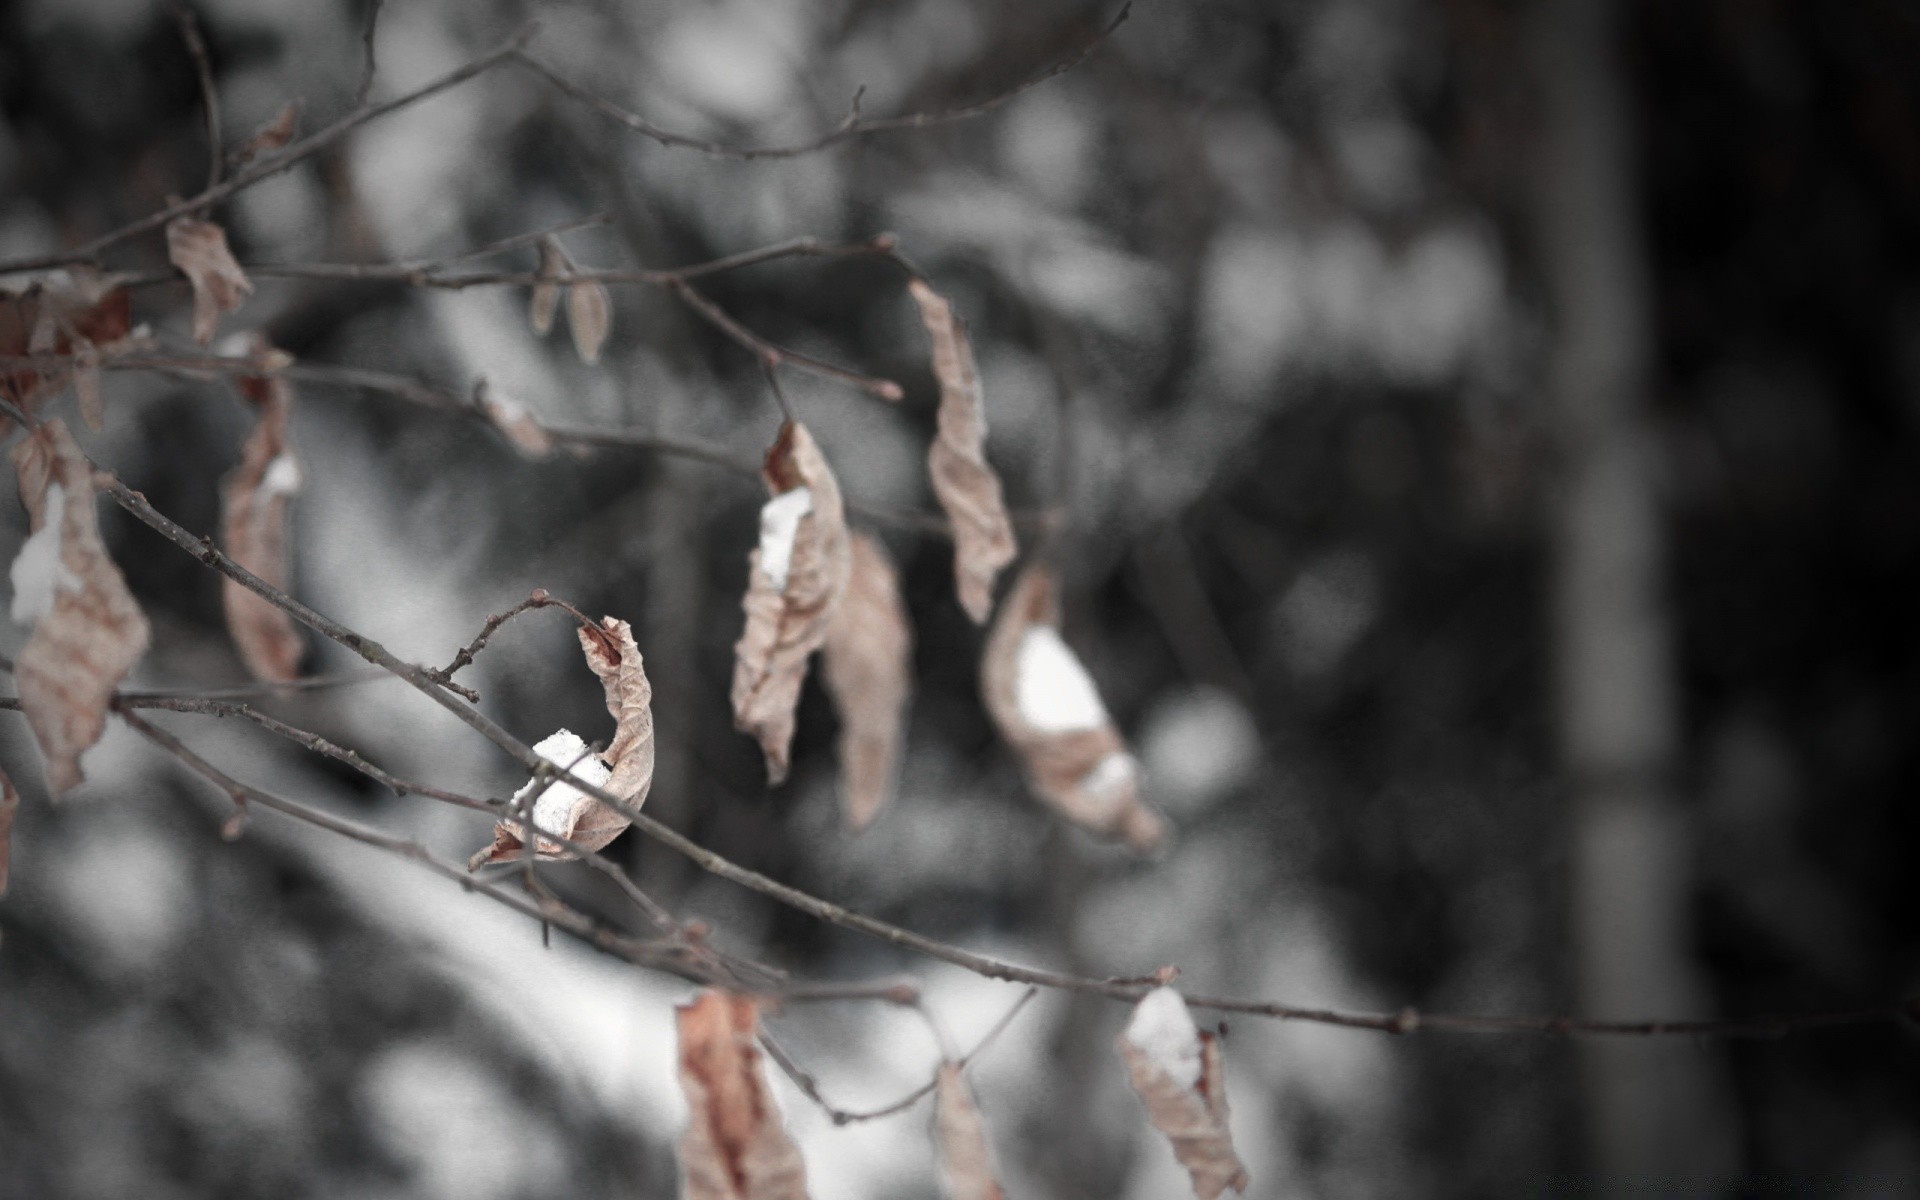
(589, 316)
(967, 487)
(626, 769)
(253, 525)
(966, 1161)
(796, 578)
(79, 312)
(546, 293)
(1177, 1071)
(87, 630)
(513, 420)
(867, 665)
(9, 805)
(199, 249)
(735, 1146)
(1047, 708)
(271, 136)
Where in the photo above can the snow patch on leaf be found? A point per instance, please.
(564, 749)
(779, 526)
(281, 479)
(37, 573)
(1162, 1029)
(1055, 693)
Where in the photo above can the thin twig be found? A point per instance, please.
(773, 356)
(851, 126)
(467, 653)
(294, 153)
(209, 98)
(369, 63)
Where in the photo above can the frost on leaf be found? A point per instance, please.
(1047, 708)
(199, 249)
(795, 579)
(626, 769)
(589, 316)
(735, 1147)
(87, 630)
(868, 669)
(9, 805)
(513, 420)
(966, 1161)
(253, 525)
(967, 487)
(80, 314)
(1178, 1073)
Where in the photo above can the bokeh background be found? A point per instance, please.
(1487, 439)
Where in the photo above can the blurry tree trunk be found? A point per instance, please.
(1652, 1111)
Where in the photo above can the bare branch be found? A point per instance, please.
(209, 98)
(771, 355)
(369, 63)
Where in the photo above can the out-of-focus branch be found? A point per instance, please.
(851, 126)
(209, 98)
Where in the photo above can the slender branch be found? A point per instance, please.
(771, 355)
(467, 653)
(209, 98)
(294, 153)
(851, 126)
(369, 62)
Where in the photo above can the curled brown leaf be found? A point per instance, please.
(81, 313)
(253, 524)
(796, 577)
(1047, 708)
(967, 487)
(87, 631)
(1178, 1073)
(735, 1147)
(199, 250)
(271, 136)
(966, 1161)
(866, 663)
(626, 769)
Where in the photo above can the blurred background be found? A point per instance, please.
(1488, 441)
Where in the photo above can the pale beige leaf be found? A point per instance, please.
(1178, 1073)
(9, 805)
(867, 665)
(967, 487)
(1047, 708)
(199, 249)
(796, 577)
(87, 630)
(626, 769)
(546, 293)
(271, 136)
(966, 1161)
(735, 1147)
(589, 316)
(254, 503)
(516, 423)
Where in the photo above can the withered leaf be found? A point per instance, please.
(79, 312)
(589, 316)
(546, 293)
(626, 769)
(866, 663)
(1047, 708)
(513, 420)
(735, 1147)
(87, 630)
(9, 805)
(253, 525)
(796, 578)
(967, 487)
(271, 136)
(199, 249)
(1177, 1071)
(966, 1161)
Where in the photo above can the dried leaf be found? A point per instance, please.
(1048, 710)
(9, 805)
(796, 578)
(626, 769)
(589, 316)
(867, 666)
(199, 249)
(253, 525)
(966, 1162)
(271, 136)
(735, 1146)
(516, 423)
(546, 293)
(968, 489)
(78, 312)
(87, 630)
(1177, 1071)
